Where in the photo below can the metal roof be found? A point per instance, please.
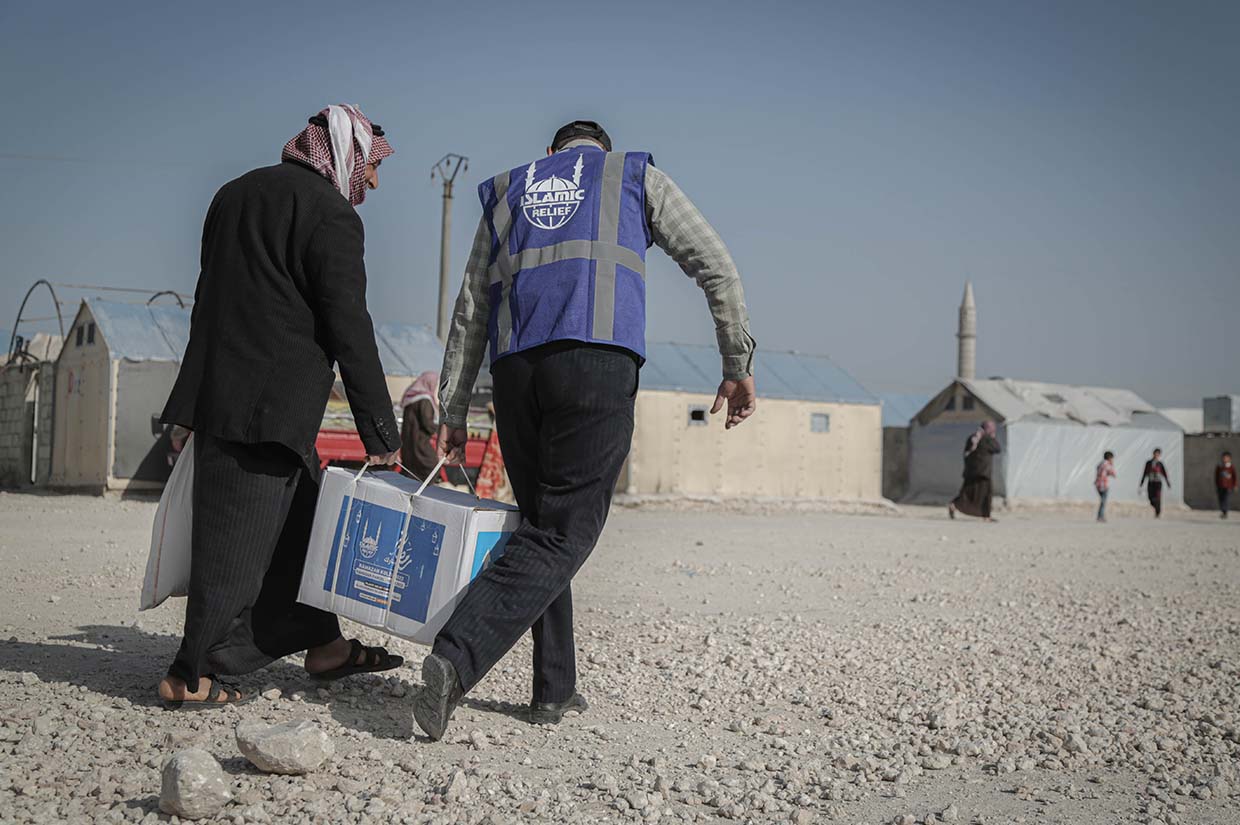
(408, 349)
(785, 375)
(137, 332)
(1021, 400)
(900, 407)
(141, 332)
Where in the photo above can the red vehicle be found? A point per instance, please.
(344, 447)
(338, 442)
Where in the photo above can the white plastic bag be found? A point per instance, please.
(167, 568)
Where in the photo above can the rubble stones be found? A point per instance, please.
(193, 785)
(297, 747)
(806, 669)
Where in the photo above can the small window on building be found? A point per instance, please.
(697, 416)
(966, 403)
(77, 340)
(819, 423)
(951, 403)
(90, 333)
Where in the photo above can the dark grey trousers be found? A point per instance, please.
(565, 418)
(253, 509)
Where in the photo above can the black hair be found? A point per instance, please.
(580, 129)
(1226, 454)
(1108, 455)
(1158, 449)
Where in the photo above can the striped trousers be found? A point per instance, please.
(565, 417)
(253, 509)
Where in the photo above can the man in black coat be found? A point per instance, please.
(281, 298)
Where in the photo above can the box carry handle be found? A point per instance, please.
(430, 476)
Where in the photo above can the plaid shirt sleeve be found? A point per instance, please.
(467, 336)
(683, 233)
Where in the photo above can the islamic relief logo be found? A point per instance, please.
(551, 202)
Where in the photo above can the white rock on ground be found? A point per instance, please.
(193, 785)
(294, 748)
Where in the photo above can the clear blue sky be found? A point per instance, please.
(1079, 161)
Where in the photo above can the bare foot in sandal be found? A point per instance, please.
(212, 691)
(341, 657)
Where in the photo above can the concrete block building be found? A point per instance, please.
(818, 433)
(27, 388)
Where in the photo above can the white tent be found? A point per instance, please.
(1053, 437)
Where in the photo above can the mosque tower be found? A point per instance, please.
(966, 335)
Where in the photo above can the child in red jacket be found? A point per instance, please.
(1225, 482)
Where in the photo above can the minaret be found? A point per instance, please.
(966, 348)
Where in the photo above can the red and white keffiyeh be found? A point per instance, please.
(334, 151)
(424, 388)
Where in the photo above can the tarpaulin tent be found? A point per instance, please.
(1053, 436)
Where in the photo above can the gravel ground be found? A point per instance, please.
(781, 667)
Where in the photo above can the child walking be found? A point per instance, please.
(1224, 482)
(1154, 477)
(1102, 482)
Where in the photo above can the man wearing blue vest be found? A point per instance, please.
(556, 284)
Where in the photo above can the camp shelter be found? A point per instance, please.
(406, 351)
(1052, 435)
(114, 373)
(817, 433)
(898, 411)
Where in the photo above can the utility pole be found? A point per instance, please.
(448, 167)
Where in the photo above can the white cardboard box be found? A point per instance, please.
(381, 555)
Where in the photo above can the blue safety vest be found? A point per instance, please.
(568, 251)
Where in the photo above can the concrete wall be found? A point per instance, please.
(17, 387)
(13, 417)
(774, 454)
(26, 392)
(1201, 454)
(895, 462)
(47, 422)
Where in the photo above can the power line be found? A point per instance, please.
(101, 161)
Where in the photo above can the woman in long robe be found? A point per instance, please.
(976, 493)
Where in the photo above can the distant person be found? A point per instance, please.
(281, 298)
(976, 492)
(1102, 482)
(1154, 477)
(1224, 483)
(419, 422)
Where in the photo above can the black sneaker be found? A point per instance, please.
(550, 713)
(438, 698)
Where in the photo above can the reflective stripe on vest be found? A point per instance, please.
(606, 252)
